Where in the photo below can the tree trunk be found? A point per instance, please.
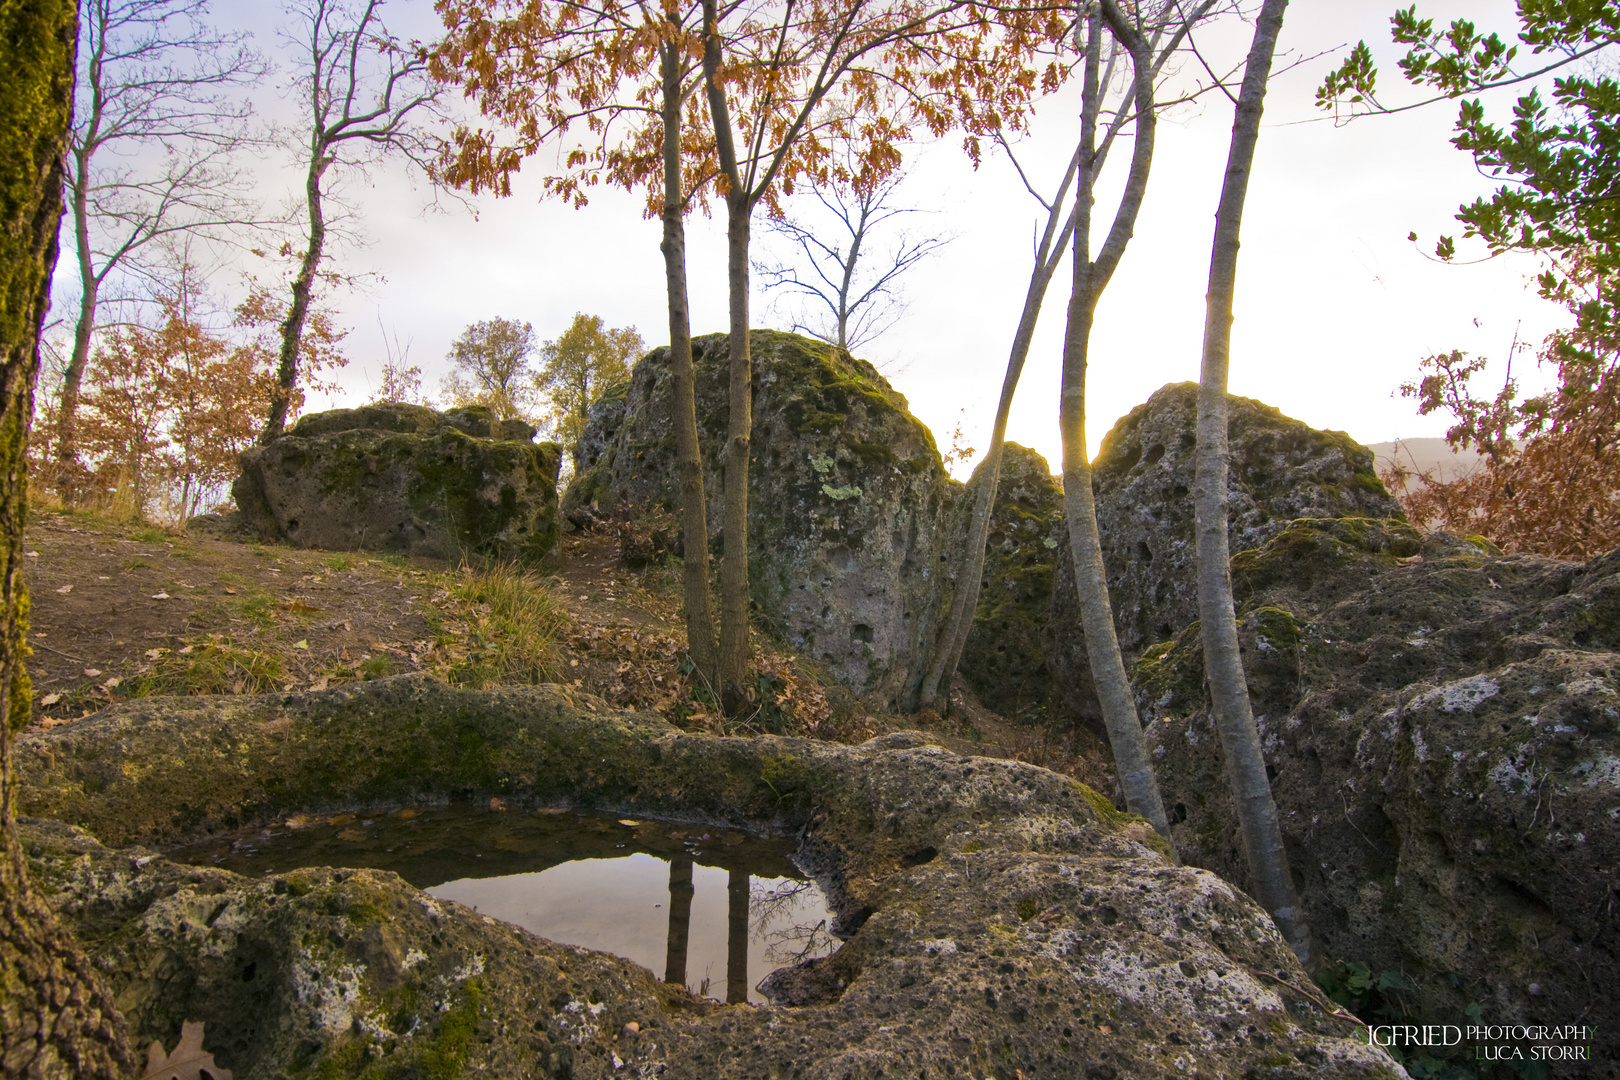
(1136, 778)
(734, 644)
(67, 433)
(292, 328)
(1223, 662)
(57, 1018)
(700, 640)
(969, 576)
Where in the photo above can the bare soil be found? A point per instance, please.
(124, 609)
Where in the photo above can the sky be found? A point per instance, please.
(1335, 307)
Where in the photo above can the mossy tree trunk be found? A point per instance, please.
(1091, 277)
(700, 639)
(1223, 662)
(57, 1018)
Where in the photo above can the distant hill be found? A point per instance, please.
(1423, 454)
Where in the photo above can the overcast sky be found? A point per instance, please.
(1334, 308)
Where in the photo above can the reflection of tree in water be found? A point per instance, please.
(795, 904)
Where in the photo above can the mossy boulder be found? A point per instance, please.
(1280, 470)
(998, 918)
(405, 478)
(1442, 728)
(1004, 658)
(850, 509)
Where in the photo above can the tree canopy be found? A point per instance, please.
(1551, 479)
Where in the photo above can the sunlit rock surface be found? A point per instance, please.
(1279, 469)
(999, 918)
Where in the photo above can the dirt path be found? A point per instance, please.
(123, 610)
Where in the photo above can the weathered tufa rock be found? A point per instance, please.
(1004, 659)
(405, 478)
(999, 918)
(1280, 469)
(1443, 734)
(849, 504)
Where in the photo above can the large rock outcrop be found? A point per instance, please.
(1004, 659)
(1442, 726)
(405, 478)
(1280, 469)
(850, 508)
(1000, 919)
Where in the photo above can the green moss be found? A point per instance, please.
(1171, 673)
(1277, 625)
(1028, 908)
(873, 455)
(784, 774)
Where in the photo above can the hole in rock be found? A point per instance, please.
(717, 909)
(863, 633)
(1154, 454)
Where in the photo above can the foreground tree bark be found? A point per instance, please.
(1136, 778)
(57, 1018)
(1223, 662)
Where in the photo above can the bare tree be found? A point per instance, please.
(158, 120)
(837, 265)
(364, 92)
(1217, 618)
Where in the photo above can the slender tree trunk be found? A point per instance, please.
(57, 1018)
(1223, 662)
(67, 423)
(734, 644)
(969, 577)
(292, 328)
(700, 639)
(1080, 512)
(680, 920)
(737, 937)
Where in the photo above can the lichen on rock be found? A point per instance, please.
(850, 515)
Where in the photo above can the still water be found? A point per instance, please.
(712, 908)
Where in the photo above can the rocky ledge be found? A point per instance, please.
(1000, 920)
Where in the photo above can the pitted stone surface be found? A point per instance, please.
(405, 478)
(1440, 725)
(850, 512)
(1279, 469)
(999, 918)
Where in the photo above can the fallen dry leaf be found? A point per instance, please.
(65, 589)
(230, 590)
(321, 683)
(91, 673)
(301, 644)
(188, 1062)
(32, 554)
(155, 654)
(50, 699)
(160, 596)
